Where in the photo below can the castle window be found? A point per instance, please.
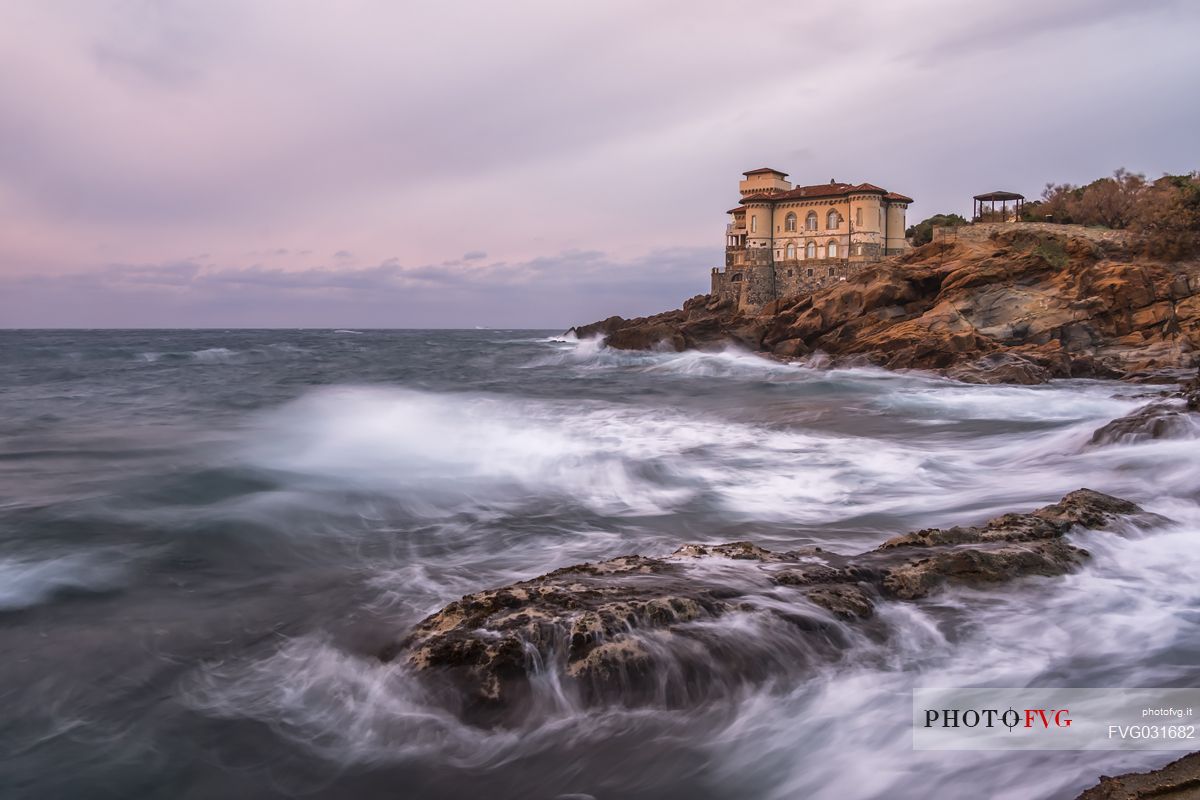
(789, 222)
(753, 223)
(831, 221)
(831, 271)
(810, 222)
(831, 249)
(810, 252)
(789, 273)
(858, 216)
(810, 272)
(858, 249)
(791, 248)
(737, 278)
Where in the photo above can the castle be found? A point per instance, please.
(786, 240)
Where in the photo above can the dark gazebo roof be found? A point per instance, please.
(999, 196)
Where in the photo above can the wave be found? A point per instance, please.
(27, 582)
(442, 454)
(591, 354)
(1134, 611)
(223, 355)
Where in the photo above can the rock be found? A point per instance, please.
(790, 348)
(1191, 393)
(1003, 367)
(1153, 421)
(1174, 418)
(1021, 306)
(1179, 780)
(639, 629)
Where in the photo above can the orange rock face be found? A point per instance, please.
(1020, 305)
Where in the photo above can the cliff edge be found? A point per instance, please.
(1020, 303)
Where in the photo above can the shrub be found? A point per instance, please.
(922, 232)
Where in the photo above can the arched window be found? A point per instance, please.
(737, 278)
(810, 222)
(831, 249)
(753, 223)
(789, 222)
(791, 248)
(831, 221)
(810, 251)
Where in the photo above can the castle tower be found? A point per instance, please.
(760, 217)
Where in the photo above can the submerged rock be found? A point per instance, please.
(669, 630)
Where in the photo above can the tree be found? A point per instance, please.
(1167, 217)
(1164, 214)
(1108, 202)
(922, 232)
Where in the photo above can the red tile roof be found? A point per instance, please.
(763, 170)
(831, 189)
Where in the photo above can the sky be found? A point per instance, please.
(527, 163)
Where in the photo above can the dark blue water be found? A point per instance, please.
(206, 537)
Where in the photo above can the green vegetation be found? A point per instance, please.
(1052, 252)
(922, 232)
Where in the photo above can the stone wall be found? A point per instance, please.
(752, 287)
(980, 231)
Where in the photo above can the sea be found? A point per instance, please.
(208, 536)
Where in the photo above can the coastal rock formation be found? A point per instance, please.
(1173, 418)
(1179, 780)
(1018, 304)
(666, 630)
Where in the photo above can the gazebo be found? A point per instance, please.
(997, 197)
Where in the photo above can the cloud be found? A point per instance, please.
(392, 134)
(544, 292)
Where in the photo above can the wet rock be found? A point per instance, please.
(639, 629)
(1191, 393)
(1179, 780)
(790, 348)
(1000, 368)
(1154, 421)
(1172, 418)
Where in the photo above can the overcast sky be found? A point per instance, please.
(521, 163)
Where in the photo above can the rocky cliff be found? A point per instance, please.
(1021, 304)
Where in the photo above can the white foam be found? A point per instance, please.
(26, 582)
(214, 355)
